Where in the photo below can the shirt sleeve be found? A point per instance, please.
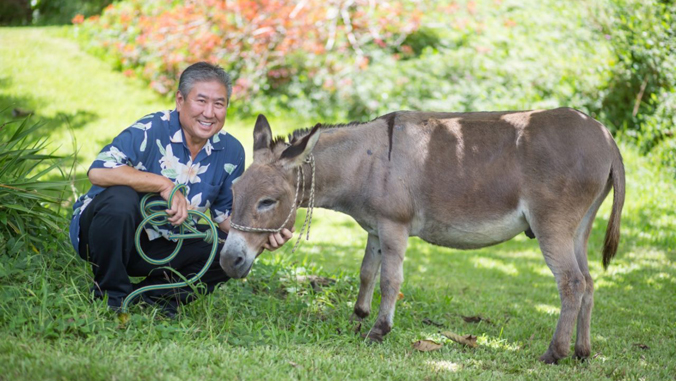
(128, 148)
(221, 208)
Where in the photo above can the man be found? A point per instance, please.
(184, 146)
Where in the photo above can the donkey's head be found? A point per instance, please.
(264, 196)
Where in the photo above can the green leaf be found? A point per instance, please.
(170, 173)
(229, 168)
(159, 144)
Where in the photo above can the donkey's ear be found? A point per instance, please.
(262, 133)
(295, 155)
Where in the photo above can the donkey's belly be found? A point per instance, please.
(472, 234)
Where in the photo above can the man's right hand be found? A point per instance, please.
(178, 211)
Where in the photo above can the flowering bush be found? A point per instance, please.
(357, 59)
(268, 45)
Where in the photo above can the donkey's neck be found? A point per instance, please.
(344, 161)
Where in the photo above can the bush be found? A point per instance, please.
(44, 12)
(15, 12)
(29, 204)
(641, 96)
(358, 60)
(269, 46)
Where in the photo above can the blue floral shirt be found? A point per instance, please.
(156, 144)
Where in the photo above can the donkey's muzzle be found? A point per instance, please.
(235, 258)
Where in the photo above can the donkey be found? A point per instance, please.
(460, 180)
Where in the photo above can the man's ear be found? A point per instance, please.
(262, 134)
(295, 155)
(179, 101)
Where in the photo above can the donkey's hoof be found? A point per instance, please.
(360, 313)
(582, 354)
(549, 358)
(379, 331)
(375, 337)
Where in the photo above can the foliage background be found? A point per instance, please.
(358, 59)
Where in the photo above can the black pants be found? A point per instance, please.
(107, 228)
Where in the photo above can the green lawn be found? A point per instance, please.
(273, 326)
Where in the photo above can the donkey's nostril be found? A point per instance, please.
(239, 261)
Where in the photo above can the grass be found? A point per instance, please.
(273, 326)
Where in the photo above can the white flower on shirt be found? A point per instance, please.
(174, 169)
(112, 158)
(189, 173)
(177, 138)
(220, 216)
(166, 115)
(168, 162)
(195, 202)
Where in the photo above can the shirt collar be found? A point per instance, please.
(176, 134)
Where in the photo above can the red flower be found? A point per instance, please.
(78, 19)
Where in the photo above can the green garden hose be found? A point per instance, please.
(154, 213)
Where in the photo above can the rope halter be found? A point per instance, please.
(300, 179)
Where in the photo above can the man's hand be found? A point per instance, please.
(276, 240)
(178, 211)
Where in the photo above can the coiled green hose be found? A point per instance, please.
(154, 213)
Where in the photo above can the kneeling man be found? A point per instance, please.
(161, 150)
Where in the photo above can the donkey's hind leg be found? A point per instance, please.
(560, 257)
(369, 271)
(583, 340)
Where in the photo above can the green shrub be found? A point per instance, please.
(641, 95)
(48, 12)
(487, 58)
(15, 12)
(29, 204)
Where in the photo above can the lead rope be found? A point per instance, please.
(311, 203)
(300, 179)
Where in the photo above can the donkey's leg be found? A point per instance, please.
(560, 257)
(393, 241)
(369, 271)
(583, 340)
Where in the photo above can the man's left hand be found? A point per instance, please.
(276, 240)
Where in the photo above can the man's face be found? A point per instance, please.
(202, 112)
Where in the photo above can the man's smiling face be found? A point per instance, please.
(202, 113)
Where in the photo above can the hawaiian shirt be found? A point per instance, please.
(156, 144)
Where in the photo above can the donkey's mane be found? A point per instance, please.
(301, 132)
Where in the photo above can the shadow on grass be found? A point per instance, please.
(16, 108)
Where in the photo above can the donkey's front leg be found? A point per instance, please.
(369, 271)
(393, 240)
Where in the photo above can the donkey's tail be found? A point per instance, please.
(613, 229)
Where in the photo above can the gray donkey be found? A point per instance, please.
(460, 180)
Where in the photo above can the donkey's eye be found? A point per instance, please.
(266, 203)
